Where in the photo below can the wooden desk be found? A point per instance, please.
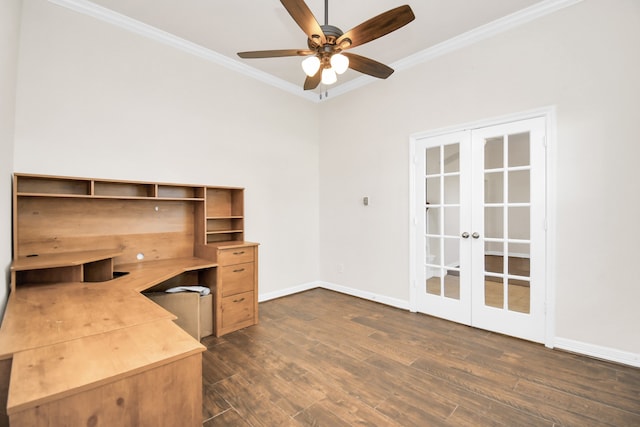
(90, 352)
(78, 347)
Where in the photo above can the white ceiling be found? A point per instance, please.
(231, 26)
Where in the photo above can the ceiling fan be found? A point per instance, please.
(326, 43)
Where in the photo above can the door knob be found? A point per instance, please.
(465, 235)
(475, 235)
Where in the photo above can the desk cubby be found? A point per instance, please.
(88, 266)
(123, 189)
(52, 186)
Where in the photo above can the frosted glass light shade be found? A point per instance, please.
(329, 76)
(339, 63)
(311, 65)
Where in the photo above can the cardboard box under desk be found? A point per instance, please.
(194, 312)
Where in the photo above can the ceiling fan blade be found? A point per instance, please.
(303, 16)
(275, 53)
(368, 66)
(313, 82)
(378, 26)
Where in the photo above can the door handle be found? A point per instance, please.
(465, 235)
(475, 235)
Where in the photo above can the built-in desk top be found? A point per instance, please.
(66, 337)
(43, 374)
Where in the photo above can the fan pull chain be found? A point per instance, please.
(326, 93)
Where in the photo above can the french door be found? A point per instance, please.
(480, 227)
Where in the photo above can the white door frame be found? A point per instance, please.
(549, 113)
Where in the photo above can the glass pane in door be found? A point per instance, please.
(494, 153)
(493, 292)
(451, 158)
(432, 166)
(433, 191)
(452, 284)
(519, 151)
(494, 222)
(494, 187)
(518, 186)
(519, 277)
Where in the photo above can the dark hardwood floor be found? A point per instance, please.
(321, 358)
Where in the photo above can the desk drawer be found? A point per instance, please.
(235, 255)
(235, 279)
(238, 311)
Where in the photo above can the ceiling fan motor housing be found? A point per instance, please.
(331, 34)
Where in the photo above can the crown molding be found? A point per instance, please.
(119, 20)
(476, 35)
(486, 31)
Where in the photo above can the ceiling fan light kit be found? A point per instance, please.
(311, 65)
(325, 57)
(329, 76)
(339, 63)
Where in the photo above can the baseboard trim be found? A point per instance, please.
(393, 302)
(289, 291)
(598, 352)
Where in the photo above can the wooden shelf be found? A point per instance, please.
(225, 231)
(224, 202)
(180, 192)
(67, 187)
(73, 196)
(123, 189)
(46, 185)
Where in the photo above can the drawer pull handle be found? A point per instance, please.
(239, 300)
(238, 253)
(240, 270)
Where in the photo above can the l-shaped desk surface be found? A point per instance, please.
(64, 338)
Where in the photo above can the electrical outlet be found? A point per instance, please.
(340, 268)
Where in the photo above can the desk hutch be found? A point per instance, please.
(79, 343)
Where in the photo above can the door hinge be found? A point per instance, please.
(544, 141)
(545, 224)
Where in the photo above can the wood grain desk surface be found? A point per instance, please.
(48, 373)
(69, 336)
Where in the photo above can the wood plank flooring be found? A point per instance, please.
(320, 358)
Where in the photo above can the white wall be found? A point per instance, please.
(94, 100)
(98, 101)
(585, 60)
(9, 36)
